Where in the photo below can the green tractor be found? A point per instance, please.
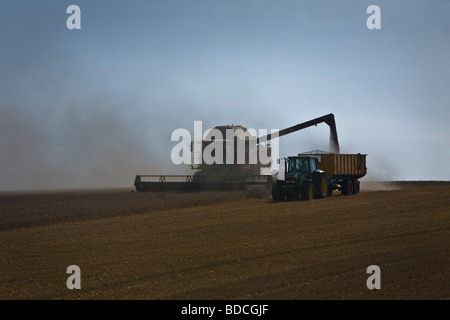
(302, 180)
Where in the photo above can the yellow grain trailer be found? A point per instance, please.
(342, 170)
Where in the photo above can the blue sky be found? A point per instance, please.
(96, 106)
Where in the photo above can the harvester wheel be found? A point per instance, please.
(356, 186)
(322, 187)
(307, 192)
(276, 191)
(347, 187)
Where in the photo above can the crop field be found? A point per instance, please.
(219, 245)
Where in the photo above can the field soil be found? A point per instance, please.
(226, 245)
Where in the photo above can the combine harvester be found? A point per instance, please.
(236, 176)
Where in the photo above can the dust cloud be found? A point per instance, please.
(367, 185)
(81, 147)
(381, 174)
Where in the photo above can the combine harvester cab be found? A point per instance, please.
(317, 174)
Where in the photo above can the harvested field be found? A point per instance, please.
(214, 245)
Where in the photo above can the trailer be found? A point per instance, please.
(317, 174)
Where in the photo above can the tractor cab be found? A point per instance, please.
(300, 165)
(299, 168)
(302, 180)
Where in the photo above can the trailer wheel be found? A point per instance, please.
(356, 187)
(307, 192)
(276, 191)
(347, 187)
(322, 188)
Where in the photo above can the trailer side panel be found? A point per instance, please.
(340, 166)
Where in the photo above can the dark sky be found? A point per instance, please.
(96, 106)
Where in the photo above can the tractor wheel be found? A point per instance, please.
(330, 191)
(307, 192)
(347, 187)
(322, 187)
(290, 197)
(356, 186)
(276, 191)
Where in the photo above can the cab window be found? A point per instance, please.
(312, 164)
(298, 165)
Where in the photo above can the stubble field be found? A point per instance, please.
(214, 245)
